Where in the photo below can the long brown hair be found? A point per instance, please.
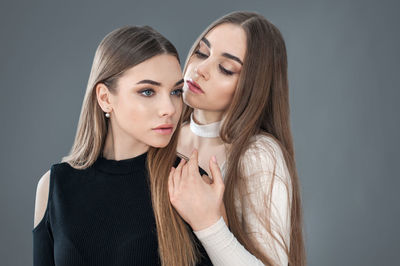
(120, 50)
(260, 105)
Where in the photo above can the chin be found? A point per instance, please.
(188, 100)
(161, 143)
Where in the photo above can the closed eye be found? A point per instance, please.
(225, 71)
(200, 54)
(221, 68)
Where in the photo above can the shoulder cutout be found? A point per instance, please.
(42, 195)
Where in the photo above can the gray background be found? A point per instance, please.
(343, 64)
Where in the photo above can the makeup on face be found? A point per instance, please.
(194, 87)
(224, 54)
(228, 63)
(153, 90)
(149, 103)
(214, 68)
(154, 86)
(165, 129)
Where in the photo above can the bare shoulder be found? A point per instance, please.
(42, 195)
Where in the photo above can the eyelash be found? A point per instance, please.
(200, 54)
(177, 92)
(142, 92)
(221, 68)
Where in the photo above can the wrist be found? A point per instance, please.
(205, 223)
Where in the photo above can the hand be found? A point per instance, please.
(197, 202)
(208, 180)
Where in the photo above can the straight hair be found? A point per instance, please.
(260, 105)
(120, 50)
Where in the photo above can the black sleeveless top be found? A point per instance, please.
(101, 215)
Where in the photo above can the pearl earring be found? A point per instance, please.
(107, 115)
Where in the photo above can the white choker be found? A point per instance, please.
(205, 131)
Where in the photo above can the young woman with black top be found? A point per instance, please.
(107, 203)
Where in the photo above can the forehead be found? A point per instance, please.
(163, 68)
(228, 38)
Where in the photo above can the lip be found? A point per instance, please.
(164, 129)
(194, 87)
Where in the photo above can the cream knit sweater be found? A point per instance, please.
(268, 180)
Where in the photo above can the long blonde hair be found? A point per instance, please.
(120, 50)
(260, 105)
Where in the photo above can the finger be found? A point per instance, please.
(215, 172)
(185, 171)
(206, 179)
(178, 173)
(171, 184)
(193, 163)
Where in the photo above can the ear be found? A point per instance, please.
(104, 97)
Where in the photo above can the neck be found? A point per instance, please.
(119, 146)
(210, 130)
(204, 117)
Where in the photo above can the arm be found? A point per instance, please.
(42, 237)
(258, 167)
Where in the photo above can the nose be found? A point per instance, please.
(166, 106)
(202, 70)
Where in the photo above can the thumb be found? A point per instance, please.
(215, 171)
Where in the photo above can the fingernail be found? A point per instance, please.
(214, 159)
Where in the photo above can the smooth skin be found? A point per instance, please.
(136, 108)
(200, 204)
(186, 178)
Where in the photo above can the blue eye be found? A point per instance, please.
(147, 92)
(177, 92)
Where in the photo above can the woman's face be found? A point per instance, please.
(147, 101)
(213, 70)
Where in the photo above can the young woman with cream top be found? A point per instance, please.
(237, 117)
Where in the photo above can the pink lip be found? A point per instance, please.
(194, 87)
(164, 129)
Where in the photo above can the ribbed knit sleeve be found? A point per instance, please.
(269, 188)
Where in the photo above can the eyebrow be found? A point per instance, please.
(227, 55)
(155, 83)
(178, 83)
(206, 42)
(233, 58)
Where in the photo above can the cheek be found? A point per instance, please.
(189, 69)
(224, 92)
(227, 87)
(133, 114)
(178, 105)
